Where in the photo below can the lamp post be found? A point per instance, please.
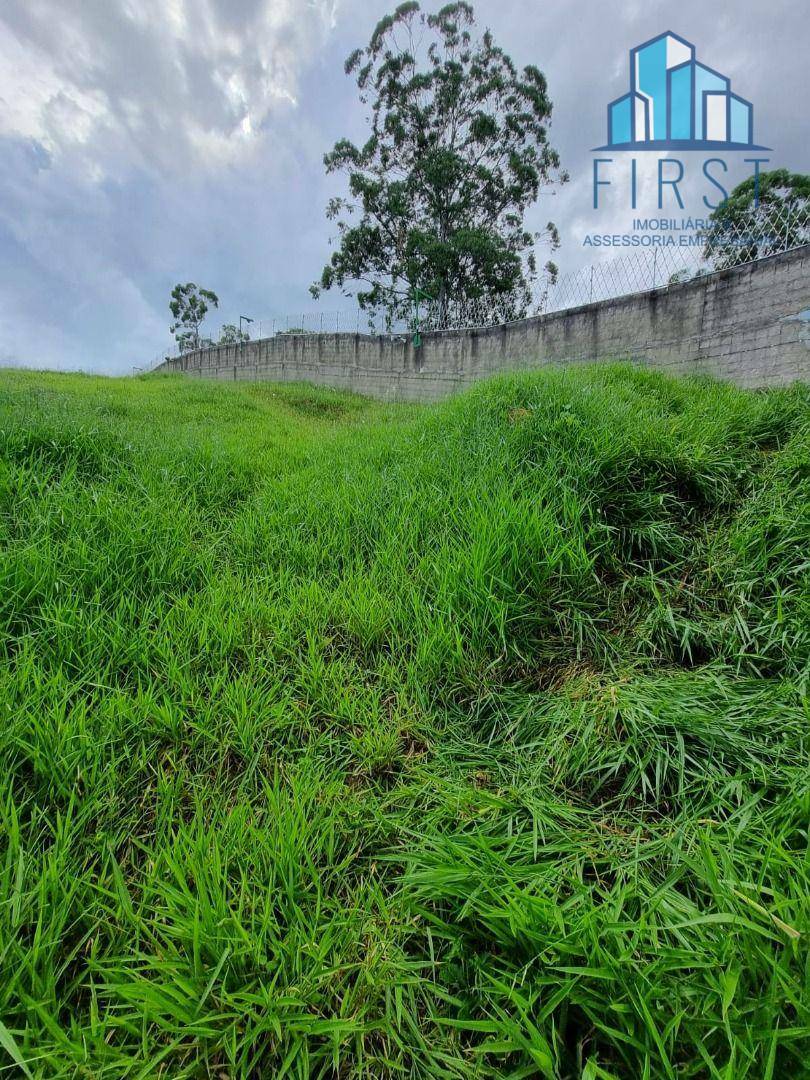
(242, 318)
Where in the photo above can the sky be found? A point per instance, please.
(149, 142)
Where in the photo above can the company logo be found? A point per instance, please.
(677, 103)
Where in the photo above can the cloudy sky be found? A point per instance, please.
(146, 142)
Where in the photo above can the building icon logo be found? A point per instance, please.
(677, 103)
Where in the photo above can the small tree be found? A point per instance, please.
(189, 305)
(232, 335)
(762, 215)
(458, 150)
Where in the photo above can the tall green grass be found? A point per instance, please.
(351, 740)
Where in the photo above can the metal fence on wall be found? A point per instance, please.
(653, 259)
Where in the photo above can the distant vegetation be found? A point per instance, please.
(766, 213)
(457, 151)
(189, 305)
(233, 335)
(351, 740)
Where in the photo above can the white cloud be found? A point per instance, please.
(149, 83)
(121, 124)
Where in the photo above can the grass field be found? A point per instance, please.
(350, 740)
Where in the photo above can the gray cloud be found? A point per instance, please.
(144, 142)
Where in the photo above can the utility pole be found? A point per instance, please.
(242, 318)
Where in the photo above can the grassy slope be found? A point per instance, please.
(343, 739)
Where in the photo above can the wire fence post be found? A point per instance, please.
(655, 267)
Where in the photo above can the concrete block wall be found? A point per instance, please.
(749, 324)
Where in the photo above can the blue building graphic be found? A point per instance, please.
(677, 103)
